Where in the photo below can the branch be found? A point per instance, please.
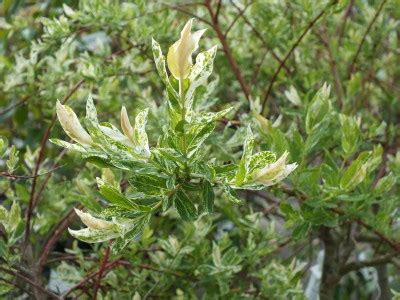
(16, 177)
(298, 41)
(90, 276)
(351, 68)
(259, 36)
(54, 236)
(353, 266)
(346, 15)
(332, 63)
(241, 12)
(228, 52)
(179, 8)
(101, 271)
(41, 157)
(31, 282)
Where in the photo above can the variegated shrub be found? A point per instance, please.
(176, 172)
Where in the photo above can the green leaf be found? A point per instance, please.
(354, 174)
(199, 73)
(3, 215)
(207, 196)
(91, 113)
(140, 136)
(385, 184)
(196, 135)
(232, 195)
(3, 146)
(350, 134)
(185, 206)
(318, 109)
(114, 196)
(120, 243)
(148, 184)
(69, 146)
(301, 231)
(172, 155)
(13, 159)
(245, 161)
(14, 217)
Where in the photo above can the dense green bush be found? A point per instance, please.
(264, 166)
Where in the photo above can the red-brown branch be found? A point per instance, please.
(54, 237)
(351, 68)
(101, 271)
(298, 41)
(41, 158)
(227, 50)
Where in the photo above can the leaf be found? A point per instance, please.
(172, 155)
(3, 215)
(3, 146)
(350, 134)
(69, 146)
(232, 195)
(91, 113)
(148, 184)
(140, 136)
(184, 206)
(354, 174)
(196, 135)
(199, 73)
(115, 197)
(300, 232)
(119, 244)
(260, 160)
(207, 196)
(159, 60)
(385, 184)
(14, 217)
(318, 109)
(245, 161)
(216, 255)
(89, 235)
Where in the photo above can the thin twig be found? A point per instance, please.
(53, 238)
(332, 63)
(180, 9)
(341, 28)
(298, 41)
(353, 266)
(90, 276)
(101, 271)
(14, 176)
(241, 12)
(351, 68)
(31, 282)
(260, 37)
(227, 50)
(10, 108)
(41, 157)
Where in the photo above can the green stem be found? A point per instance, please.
(183, 113)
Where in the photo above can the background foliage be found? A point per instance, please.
(331, 229)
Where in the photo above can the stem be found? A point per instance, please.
(183, 113)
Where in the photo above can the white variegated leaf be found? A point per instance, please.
(69, 146)
(199, 73)
(159, 60)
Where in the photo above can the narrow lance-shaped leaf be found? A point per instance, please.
(207, 193)
(199, 73)
(245, 161)
(184, 206)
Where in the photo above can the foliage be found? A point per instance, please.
(196, 197)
